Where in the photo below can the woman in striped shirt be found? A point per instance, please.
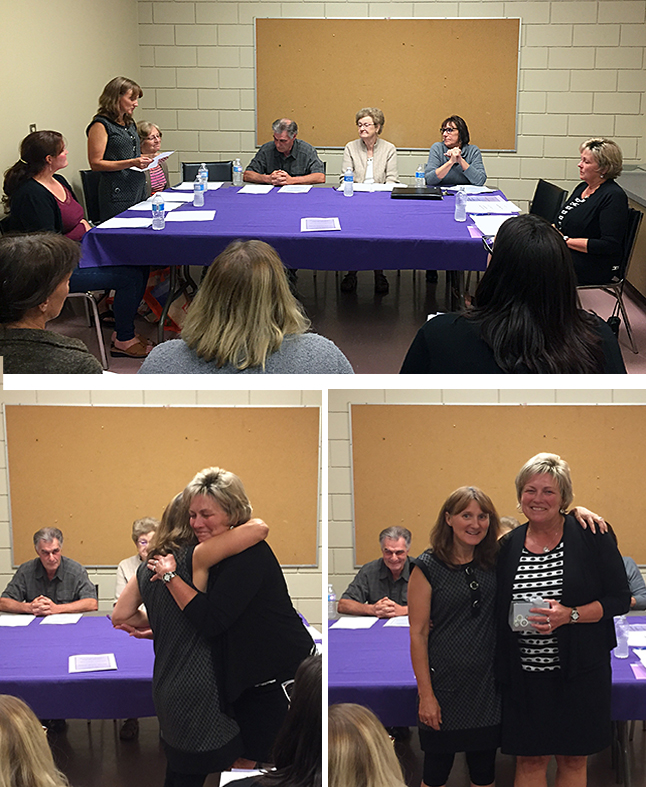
(157, 178)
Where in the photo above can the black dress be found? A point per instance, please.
(119, 190)
(461, 650)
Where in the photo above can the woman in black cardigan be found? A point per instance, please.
(595, 217)
(555, 674)
(40, 200)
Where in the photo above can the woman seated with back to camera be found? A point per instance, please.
(244, 319)
(35, 272)
(526, 319)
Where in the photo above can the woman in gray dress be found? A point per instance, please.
(113, 148)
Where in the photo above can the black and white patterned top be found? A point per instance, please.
(571, 205)
(539, 575)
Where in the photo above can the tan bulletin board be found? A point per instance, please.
(320, 72)
(91, 471)
(407, 459)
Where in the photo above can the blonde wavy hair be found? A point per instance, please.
(225, 488)
(244, 307)
(360, 753)
(25, 757)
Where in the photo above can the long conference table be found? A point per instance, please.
(372, 667)
(377, 232)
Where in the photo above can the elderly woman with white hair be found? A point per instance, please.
(594, 220)
(555, 673)
(150, 136)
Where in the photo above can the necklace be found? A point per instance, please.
(554, 531)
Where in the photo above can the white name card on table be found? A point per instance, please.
(400, 622)
(295, 188)
(12, 620)
(118, 223)
(192, 215)
(187, 185)
(92, 662)
(66, 619)
(312, 224)
(255, 188)
(148, 205)
(354, 623)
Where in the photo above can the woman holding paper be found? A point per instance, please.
(526, 317)
(372, 160)
(39, 199)
(157, 178)
(113, 148)
(556, 677)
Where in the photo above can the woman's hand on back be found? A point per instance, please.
(161, 564)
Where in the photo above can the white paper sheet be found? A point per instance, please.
(370, 187)
(637, 639)
(118, 223)
(92, 662)
(355, 623)
(489, 225)
(15, 620)
(66, 619)
(176, 196)
(255, 188)
(233, 776)
(400, 622)
(492, 206)
(147, 205)
(187, 185)
(296, 188)
(192, 215)
(469, 189)
(159, 157)
(312, 224)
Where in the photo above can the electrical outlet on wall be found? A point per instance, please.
(32, 128)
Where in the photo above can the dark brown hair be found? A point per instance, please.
(34, 150)
(112, 92)
(463, 131)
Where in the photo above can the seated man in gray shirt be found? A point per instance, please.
(49, 584)
(286, 160)
(381, 586)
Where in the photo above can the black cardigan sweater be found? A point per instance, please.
(593, 571)
(34, 208)
(248, 616)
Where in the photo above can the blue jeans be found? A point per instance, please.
(129, 285)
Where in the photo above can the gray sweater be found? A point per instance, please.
(32, 351)
(307, 353)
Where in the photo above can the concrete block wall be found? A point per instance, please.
(582, 73)
(305, 584)
(341, 563)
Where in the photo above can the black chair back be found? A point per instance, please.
(634, 222)
(548, 200)
(90, 181)
(221, 171)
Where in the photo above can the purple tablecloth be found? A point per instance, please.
(34, 667)
(373, 668)
(376, 232)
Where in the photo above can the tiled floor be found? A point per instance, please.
(374, 331)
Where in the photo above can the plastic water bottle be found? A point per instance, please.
(621, 651)
(237, 173)
(460, 205)
(331, 603)
(203, 174)
(159, 217)
(198, 192)
(348, 183)
(420, 178)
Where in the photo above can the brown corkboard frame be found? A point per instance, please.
(91, 471)
(320, 72)
(407, 459)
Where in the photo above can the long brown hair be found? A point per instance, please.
(174, 530)
(112, 92)
(484, 554)
(34, 150)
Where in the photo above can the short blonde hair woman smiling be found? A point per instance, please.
(244, 319)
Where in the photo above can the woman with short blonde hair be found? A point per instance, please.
(245, 319)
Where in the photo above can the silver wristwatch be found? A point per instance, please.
(168, 576)
(574, 615)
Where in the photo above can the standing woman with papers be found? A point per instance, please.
(453, 161)
(113, 148)
(40, 200)
(372, 160)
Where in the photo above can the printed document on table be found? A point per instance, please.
(399, 622)
(255, 188)
(312, 224)
(92, 662)
(489, 225)
(117, 223)
(469, 189)
(494, 204)
(296, 188)
(187, 185)
(159, 157)
(65, 619)
(15, 620)
(148, 205)
(354, 623)
(192, 215)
